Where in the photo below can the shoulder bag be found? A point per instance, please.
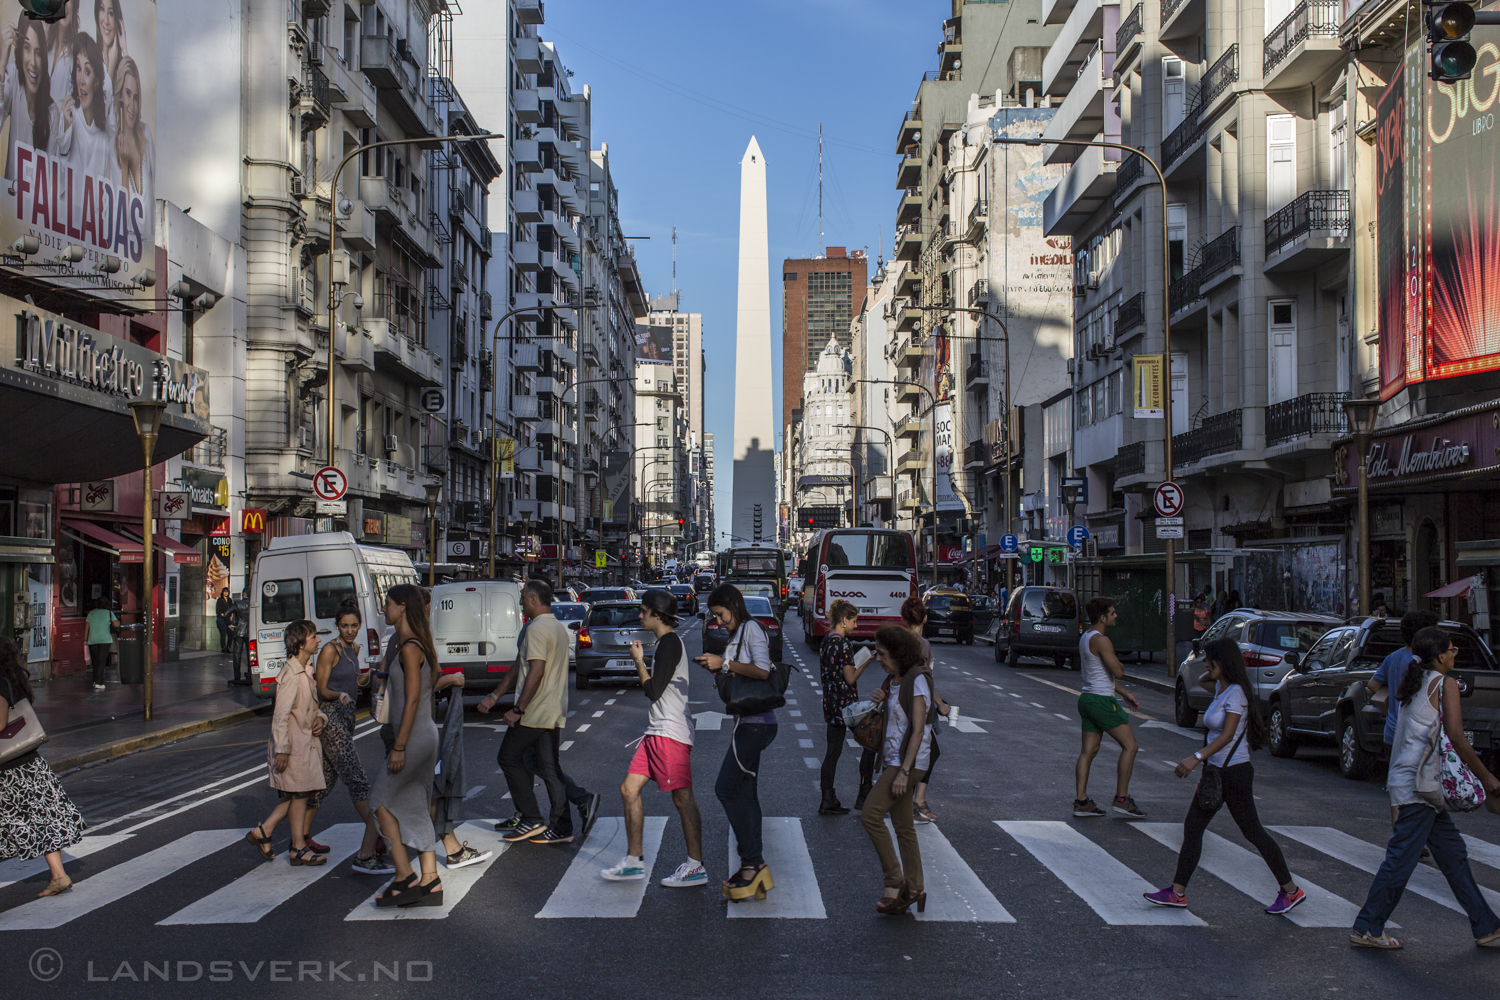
(748, 695)
(1449, 785)
(23, 734)
(869, 731)
(1210, 794)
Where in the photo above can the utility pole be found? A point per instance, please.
(820, 189)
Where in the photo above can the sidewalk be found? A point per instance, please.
(189, 696)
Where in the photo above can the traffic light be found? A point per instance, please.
(44, 10)
(1448, 27)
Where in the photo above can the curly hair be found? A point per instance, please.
(913, 611)
(902, 646)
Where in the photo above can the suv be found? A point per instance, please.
(948, 615)
(1323, 698)
(1040, 621)
(1265, 638)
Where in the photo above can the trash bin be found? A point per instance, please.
(132, 654)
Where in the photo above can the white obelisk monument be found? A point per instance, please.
(754, 517)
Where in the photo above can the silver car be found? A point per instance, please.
(571, 614)
(1265, 637)
(604, 643)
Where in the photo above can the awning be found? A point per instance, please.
(124, 549)
(1458, 589)
(181, 554)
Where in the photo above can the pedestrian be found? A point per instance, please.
(1100, 711)
(402, 793)
(37, 819)
(222, 608)
(1431, 707)
(536, 722)
(1234, 601)
(1235, 728)
(1378, 607)
(449, 789)
(840, 676)
(914, 617)
(665, 752)
(103, 628)
(906, 741)
(239, 627)
(1200, 617)
(738, 787)
(1388, 675)
(294, 755)
(338, 682)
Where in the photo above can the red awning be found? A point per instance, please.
(181, 554)
(1459, 589)
(125, 549)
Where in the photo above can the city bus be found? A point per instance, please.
(874, 569)
(755, 570)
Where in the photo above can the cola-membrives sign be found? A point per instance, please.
(1442, 448)
(1433, 454)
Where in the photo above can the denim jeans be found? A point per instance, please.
(1418, 826)
(738, 790)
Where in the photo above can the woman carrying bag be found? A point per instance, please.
(37, 819)
(840, 669)
(747, 668)
(1433, 771)
(294, 753)
(1235, 728)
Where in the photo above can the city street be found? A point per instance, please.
(1024, 900)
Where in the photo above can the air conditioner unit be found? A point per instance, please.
(1093, 281)
(299, 186)
(1090, 548)
(391, 444)
(306, 438)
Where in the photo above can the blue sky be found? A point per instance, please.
(678, 89)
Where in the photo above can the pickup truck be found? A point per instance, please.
(1324, 698)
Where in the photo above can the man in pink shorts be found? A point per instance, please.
(665, 753)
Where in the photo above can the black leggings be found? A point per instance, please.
(1239, 796)
(837, 732)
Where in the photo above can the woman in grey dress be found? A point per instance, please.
(402, 793)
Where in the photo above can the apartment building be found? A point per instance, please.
(664, 487)
(871, 397)
(819, 297)
(817, 458)
(689, 366)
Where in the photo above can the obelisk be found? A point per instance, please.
(754, 516)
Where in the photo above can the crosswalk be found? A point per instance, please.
(1108, 886)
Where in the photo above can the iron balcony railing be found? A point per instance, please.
(1130, 314)
(980, 290)
(974, 453)
(212, 450)
(1181, 138)
(1132, 27)
(979, 212)
(1184, 291)
(1130, 169)
(1169, 8)
(1131, 460)
(1314, 211)
(1220, 433)
(1221, 254)
(1308, 19)
(317, 85)
(1221, 74)
(1309, 414)
(978, 368)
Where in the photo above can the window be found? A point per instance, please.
(331, 591)
(1291, 635)
(620, 616)
(1281, 161)
(281, 602)
(1044, 604)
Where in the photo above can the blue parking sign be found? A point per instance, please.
(1008, 543)
(1076, 535)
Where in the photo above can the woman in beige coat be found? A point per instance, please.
(294, 753)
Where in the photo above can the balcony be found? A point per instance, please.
(359, 351)
(1128, 37)
(979, 217)
(909, 426)
(314, 101)
(907, 318)
(908, 243)
(1079, 37)
(1086, 111)
(1304, 46)
(1128, 175)
(979, 293)
(950, 51)
(910, 500)
(528, 55)
(911, 461)
(399, 83)
(352, 93)
(1186, 137)
(1056, 11)
(525, 408)
(212, 451)
(974, 455)
(402, 357)
(1218, 435)
(1311, 415)
(1130, 314)
(1309, 232)
(563, 229)
(1080, 193)
(977, 374)
(1184, 291)
(909, 170)
(1221, 254)
(1218, 83)
(1131, 460)
(909, 390)
(909, 207)
(526, 256)
(526, 358)
(528, 106)
(529, 11)
(528, 154)
(1181, 19)
(906, 135)
(527, 205)
(910, 354)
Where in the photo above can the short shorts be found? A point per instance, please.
(665, 761)
(1101, 713)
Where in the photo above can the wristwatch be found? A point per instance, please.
(1198, 755)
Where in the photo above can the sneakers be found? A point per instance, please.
(509, 825)
(1285, 901)
(1084, 808)
(628, 870)
(464, 858)
(375, 864)
(524, 830)
(551, 836)
(1167, 897)
(689, 874)
(589, 813)
(923, 815)
(99, 687)
(1126, 806)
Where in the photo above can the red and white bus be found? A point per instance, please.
(873, 569)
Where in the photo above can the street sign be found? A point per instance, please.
(1008, 543)
(601, 559)
(1168, 530)
(1077, 535)
(330, 484)
(334, 507)
(433, 401)
(460, 549)
(1168, 500)
(1081, 482)
(1169, 521)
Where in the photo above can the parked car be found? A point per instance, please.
(571, 614)
(716, 636)
(475, 626)
(1265, 637)
(1040, 621)
(949, 615)
(601, 594)
(984, 613)
(1323, 699)
(687, 599)
(604, 643)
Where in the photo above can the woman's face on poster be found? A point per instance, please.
(104, 12)
(130, 101)
(83, 80)
(33, 52)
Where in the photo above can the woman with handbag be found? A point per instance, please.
(906, 749)
(1433, 772)
(738, 786)
(38, 819)
(294, 754)
(840, 676)
(914, 616)
(1235, 727)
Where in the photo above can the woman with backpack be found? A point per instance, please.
(1235, 727)
(1430, 709)
(749, 655)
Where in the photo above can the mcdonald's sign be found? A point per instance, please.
(253, 522)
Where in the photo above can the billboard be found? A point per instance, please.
(653, 343)
(948, 495)
(78, 126)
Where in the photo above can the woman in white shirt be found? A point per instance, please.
(135, 148)
(1235, 727)
(906, 749)
(87, 141)
(26, 103)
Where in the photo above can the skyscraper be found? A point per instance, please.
(754, 517)
(819, 298)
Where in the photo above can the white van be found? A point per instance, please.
(475, 625)
(309, 576)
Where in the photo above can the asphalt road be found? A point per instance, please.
(1024, 900)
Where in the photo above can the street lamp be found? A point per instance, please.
(148, 414)
(1070, 493)
(1362, 422)
(433, 489)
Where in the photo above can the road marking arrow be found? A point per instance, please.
(967, 724)
(710, 721)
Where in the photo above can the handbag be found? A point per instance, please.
(750, 695)
(869, 730)
(1457, 789)
(1210, 794)
(23, 734)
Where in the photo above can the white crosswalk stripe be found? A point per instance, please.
(1484, 853)
(954, 892)
(1425, 881)
(1110, 888)
(257, 893)
(479, 834)
(18, 869)
(796, 895)
(583, 892)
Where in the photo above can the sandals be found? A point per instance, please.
(1364, 939)
(56, 887)
(306, 856)
(397, 892)
(411, 892)
(261, 843)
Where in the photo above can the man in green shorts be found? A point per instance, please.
(1099, 708)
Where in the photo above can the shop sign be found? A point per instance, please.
(397, 530)
(252, 521)
(949, 554)
(50, 346)
(216, 576)
(1450, 447)
(220, 528)
(418, 533)
(98, 497)
(374, 528)
(172, 505)
(208, 489)
(1150, 387)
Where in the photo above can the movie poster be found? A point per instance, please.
(77, 119)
